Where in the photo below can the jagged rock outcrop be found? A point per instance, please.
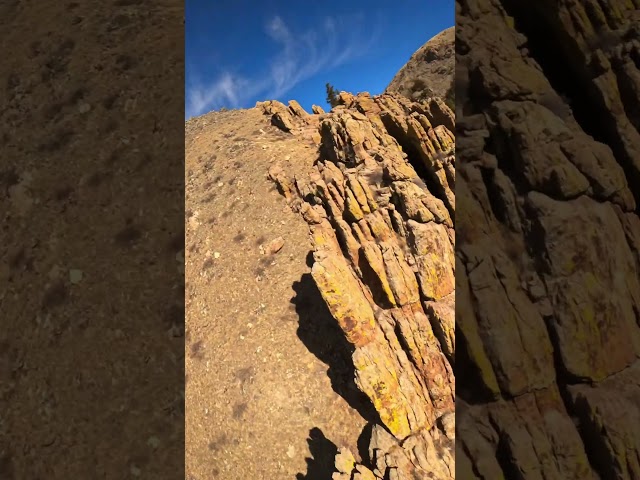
(546, 251)
(429, 71)
(547, 278)
(380, 207)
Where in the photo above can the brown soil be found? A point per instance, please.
(91, 303)
(269, 375)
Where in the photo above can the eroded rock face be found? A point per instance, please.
(547, 245)
(380, 207)
(429, 71)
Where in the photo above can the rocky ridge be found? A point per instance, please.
(380, 206)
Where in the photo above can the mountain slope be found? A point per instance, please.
(430, 69)
(369, 253)
(264, 359)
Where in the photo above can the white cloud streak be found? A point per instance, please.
(333, 43)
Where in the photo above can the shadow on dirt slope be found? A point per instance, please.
(323, 452)
(323, 337)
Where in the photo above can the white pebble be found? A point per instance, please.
(291, 451)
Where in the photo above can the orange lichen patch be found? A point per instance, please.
(323, 237)
(353, 207)
(378, 226)
(445, 138)
(359, 194)
(425, 352)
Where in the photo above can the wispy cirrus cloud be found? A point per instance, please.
(301, 55)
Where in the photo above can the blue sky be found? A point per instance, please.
(242, 51)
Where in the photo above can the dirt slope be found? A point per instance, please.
(91, 300)
(430, 69)
(263, 355)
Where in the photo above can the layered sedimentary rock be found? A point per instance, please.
(380, 206)
(548, 310)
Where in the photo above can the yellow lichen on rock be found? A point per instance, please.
(345, 299)
(376, 380)
(380, 238)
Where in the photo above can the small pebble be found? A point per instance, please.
(153, 442)
(75, 276)
(275, 245)
(291, 451)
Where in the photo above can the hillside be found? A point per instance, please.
(320, 291)
(258, 335)
(429, 71)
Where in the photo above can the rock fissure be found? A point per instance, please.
(576, 73)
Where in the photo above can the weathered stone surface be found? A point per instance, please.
(442, 318)
(297, 109)
(384, 264)
(293, 118)
(547, 239)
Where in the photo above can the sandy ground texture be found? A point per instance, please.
(269, 390)
(91, 221)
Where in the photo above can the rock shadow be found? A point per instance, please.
(320, 466)
(363, 445)
(321, 334)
